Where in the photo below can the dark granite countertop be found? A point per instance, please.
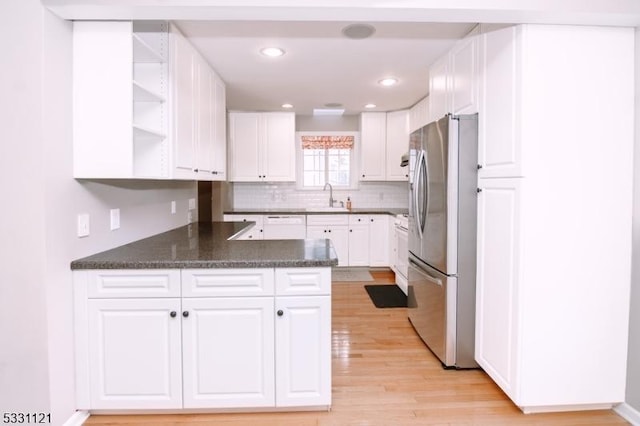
(372, 210)
(206, 245)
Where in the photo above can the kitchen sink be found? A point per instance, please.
(326, 209)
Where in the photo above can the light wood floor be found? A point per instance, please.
(384, 375)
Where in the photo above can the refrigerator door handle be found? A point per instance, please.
(418, 188)
(416, 191)
(426, 274)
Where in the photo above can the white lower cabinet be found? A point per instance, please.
(134, 353)
(379, 240)
(497, 280)
(303, 351)
(333, 227)
(265, 344)
(228, 352)
(358, 240)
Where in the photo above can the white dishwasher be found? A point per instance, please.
(285, 227)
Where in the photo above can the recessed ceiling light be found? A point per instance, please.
(370, 105)
(272, 52)
(389, 81)
(287, 106)
(358, 31)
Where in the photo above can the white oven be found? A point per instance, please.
(401, 261)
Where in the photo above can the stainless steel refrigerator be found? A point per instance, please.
(443, 169)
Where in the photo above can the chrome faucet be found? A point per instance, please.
(331, 200)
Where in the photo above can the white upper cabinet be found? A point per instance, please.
(439, 89)
(184, 70)
(120, 91)
(384, 138)
(499, 152)
(278, 149)
(464, 76)
(453, 81)
(141, 103)
(261, 147)
(199, 101)
(219, 131)
(419, 115)
(397, 145)
(373, 135)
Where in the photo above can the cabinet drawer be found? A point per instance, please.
(327, 219)
(227, 282)
(358, 219)
(115, 283)
(303, 281)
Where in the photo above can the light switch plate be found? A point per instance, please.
(83, 225)
(173, 207)
(115, 219)
(192, 203)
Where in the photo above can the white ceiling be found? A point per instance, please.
(321, 65)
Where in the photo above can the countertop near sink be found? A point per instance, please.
(206, 245)
(389, 211)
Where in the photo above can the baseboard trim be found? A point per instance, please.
(629, 413)
(78, 418)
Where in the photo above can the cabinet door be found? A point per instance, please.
(134, 353)
(244, 140)
(498, 273)
(359, 245)
(183, 61)
(278, 148)
(464, 76)
(219, 129)
(499, 151)
(397, 145)
(378, 240)
(373, 135)
(339, 236)
(228, 352)
(303, 351)
(419, 115)
(204, 123)
(439, 89)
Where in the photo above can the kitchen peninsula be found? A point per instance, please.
(192, 320)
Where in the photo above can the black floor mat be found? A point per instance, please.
(386, 296)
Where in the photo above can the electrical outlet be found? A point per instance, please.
(192, 203)
(173, 207)
(83, 225)
(115, 219)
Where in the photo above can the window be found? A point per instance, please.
(326, 157)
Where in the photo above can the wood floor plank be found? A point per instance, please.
(384, 375)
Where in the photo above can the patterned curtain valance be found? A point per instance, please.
(327, 142)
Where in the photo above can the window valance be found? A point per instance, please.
(327, 142)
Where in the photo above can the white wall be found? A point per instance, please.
(40, 202)
(633, 367)
(24, 382)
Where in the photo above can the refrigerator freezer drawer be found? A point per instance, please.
(432, 309)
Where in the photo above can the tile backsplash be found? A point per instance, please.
(286, 195)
